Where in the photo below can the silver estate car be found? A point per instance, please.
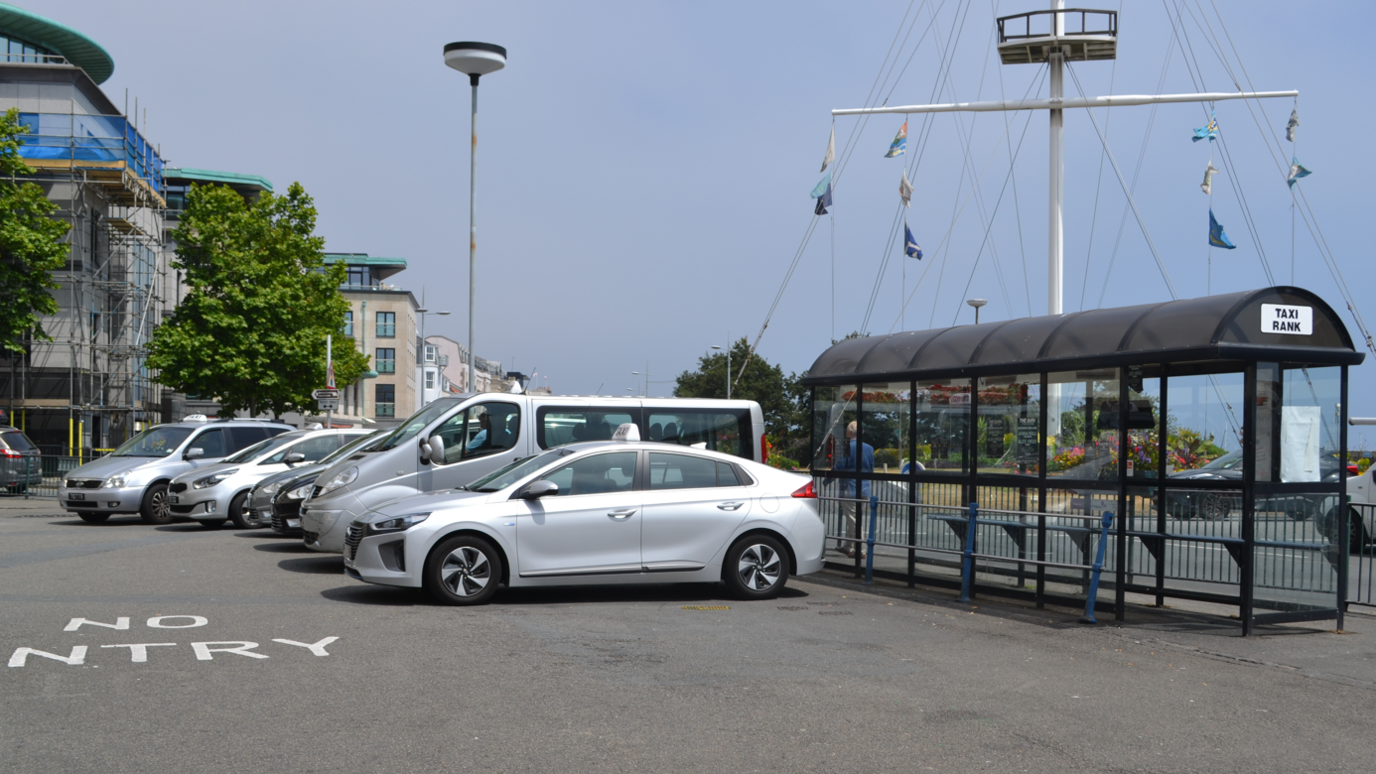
(134, 477)
(261, 496)
(217, 493)
(610, 512)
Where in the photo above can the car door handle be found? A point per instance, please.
(730, 506)
(622, 515)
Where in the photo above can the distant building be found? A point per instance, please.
(487, 376)
(383, 323)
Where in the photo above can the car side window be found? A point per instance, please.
(314, 449)
(211, 443)
(243, 437)
(598, 474)
(558, 425)
(487, 428)
(717, 430)
(680, 471)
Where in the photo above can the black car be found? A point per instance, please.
(1207, 504)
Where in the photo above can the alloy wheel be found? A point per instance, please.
(162, 509)
(759, 567)
(466, 571)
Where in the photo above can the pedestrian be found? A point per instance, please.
(856, 457)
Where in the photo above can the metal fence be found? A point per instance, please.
(37, 477)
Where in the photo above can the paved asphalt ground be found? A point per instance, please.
(827, 678)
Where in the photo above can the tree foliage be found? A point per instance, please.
(783, 402)
(251, 330)
(31, 246)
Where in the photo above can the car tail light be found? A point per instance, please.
(11, 453)
(806, 490)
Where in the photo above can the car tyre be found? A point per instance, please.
(237, 514)
(93, 517)
(155, 508)
(463, 570)
(756, 567)
(1215, 506)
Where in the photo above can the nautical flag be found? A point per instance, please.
(1208, 184)
(831, 151)
(905, 190)
(1216, 236)
(1292, 125)
(822, 187)
(900, 142)
(823, 201)
(1209, 132)
(1297, 171)
(909, 244)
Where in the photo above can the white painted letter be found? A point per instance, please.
(138, 652)
(22, 654)
(120, 623)
(157, 623)
(318, 648)
(203, 649)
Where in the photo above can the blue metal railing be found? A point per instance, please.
(91, 141)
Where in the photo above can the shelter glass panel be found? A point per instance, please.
(943, 424)
(1204, 427)
(1143, 419)
(833, 409)
(1297, 416)
(1009, 429)
(1083, 418)
(1295, 559)
(885, 426)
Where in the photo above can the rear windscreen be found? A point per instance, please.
(15, 441)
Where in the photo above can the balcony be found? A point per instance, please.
(388, 366)
(385, 409)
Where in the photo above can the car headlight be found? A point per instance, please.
(342, 478)
(300, 493)
(115, 482)
(397, 523)
(268, 490)
(213, 479)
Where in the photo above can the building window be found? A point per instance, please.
(431, 353)
(386, 325)
(349, 324)
(385, 400)
(358, 276)
(386, 360)
(429, 379)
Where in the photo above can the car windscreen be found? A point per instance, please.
(362, 443)
(263, 447)
(153, 442)
(1228, 461)
(415, 424)
(505, 477)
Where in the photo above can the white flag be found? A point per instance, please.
(831, 150)
(1292, 124)
(1208, 185)
(905, 190)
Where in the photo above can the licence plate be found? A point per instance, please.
(76, 496)
(174, 499)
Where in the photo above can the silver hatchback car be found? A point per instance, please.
(597, 513)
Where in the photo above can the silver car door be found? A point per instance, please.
(478, 440)
(592, 526)
(692, 506)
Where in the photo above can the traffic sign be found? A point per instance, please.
(327, 404)
(325, 394)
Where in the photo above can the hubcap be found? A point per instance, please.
(162, 510)
(759, 567)
(466, 571)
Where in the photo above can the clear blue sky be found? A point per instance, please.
(644, 168)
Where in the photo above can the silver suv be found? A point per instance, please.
(134, 477)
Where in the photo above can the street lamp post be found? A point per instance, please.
(976, 303)
(476, 60)
(423, 312)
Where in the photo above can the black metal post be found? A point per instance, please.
(1249, 474)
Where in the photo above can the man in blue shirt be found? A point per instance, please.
(861, 459)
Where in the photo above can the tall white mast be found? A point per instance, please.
(1056, 194)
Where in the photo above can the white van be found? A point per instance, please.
(456, 440)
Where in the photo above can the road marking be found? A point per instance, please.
(122, 622)
(706, 607)
(138, 652)
(21, 656)
(156, 622)
(318, 648)
(240, 647)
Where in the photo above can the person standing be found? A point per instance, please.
(857, 457)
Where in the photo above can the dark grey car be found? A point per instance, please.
(21, 463)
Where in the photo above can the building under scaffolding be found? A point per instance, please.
(89, 387)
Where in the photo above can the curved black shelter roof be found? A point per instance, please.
(1227, 327)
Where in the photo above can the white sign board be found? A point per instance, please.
(325, 394)
(1299, 443)
(1292, 320)
(328, 404)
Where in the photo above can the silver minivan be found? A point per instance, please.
(457, 439)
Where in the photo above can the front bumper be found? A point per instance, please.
(323, 528)
(379, 559)
(105, 499)
(211, 502)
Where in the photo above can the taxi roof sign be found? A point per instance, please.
(627, 432)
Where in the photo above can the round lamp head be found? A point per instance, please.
(976, 302)
(475, 58)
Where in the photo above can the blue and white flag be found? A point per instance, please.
(822, 193)
(1209, 132)
(1297, 171)
(909, 244)
(831, 151)
(1216, 236)
(900, 142)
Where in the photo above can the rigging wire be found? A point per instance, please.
(1017, 209)
(1098, 180)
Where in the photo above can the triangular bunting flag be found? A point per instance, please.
(905, 190)
(900, 142)
(1297, 171)
(1216, 236)
(1209, 132)
(1208, 185)
(1292, 125)
(910, 247)
(831, 150)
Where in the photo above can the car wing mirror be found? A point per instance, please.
(195, 452)
(434, 450)
(295, 457)
(537, 489)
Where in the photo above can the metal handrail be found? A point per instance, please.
(1083, 12)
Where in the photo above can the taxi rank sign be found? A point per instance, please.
(1292, 320)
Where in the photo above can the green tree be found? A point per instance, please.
(251, 330)
(782, 400)
(31, 246)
